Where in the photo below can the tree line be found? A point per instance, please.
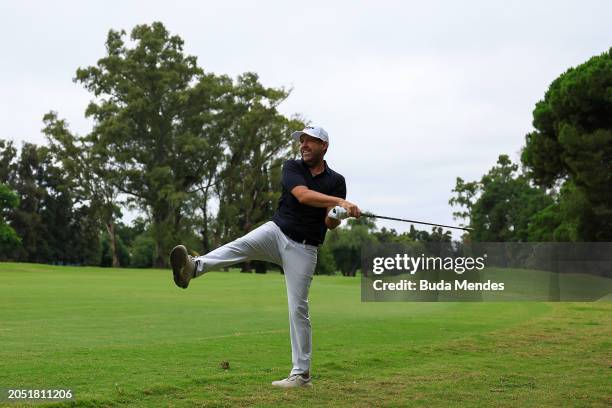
(170, 139)
(563, 190)
(48, 217)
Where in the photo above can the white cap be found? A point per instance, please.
(314, 131)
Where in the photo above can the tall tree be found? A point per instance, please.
(257, 143)
(559, 221)
(26, 219)
(8, 237)
(499, 206)
(91, 180)
(158, 123)
(8, 155)
(52, 228)
(572, 141)
(9, 200)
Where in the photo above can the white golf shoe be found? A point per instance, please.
(294, 380)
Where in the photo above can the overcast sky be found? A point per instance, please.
(413, 94)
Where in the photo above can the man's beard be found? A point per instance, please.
(315, 158)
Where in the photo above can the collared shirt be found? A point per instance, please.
(301, 221)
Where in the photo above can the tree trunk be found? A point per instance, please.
(159, 259)
(110, 228)
(164, 221)
(204, 230)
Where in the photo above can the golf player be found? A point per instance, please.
(310, 190)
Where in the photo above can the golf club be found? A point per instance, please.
(340, 213)
(370, 215)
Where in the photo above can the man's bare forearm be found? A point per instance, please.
(315, 199)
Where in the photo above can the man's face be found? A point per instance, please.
(312, 149)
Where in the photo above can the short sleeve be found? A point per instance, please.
(292, 176)
(340, 190)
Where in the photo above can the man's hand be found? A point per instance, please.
(351, 209)
(336, 214)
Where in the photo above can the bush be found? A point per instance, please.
(123, 254)
(325, 261)
(143, 251)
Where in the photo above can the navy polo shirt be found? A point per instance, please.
(300, 221)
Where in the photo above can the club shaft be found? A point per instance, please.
(369, 215)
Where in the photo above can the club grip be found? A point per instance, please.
(338, 213)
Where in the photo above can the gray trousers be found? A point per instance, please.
(269, 243)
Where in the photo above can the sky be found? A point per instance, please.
(413, 94)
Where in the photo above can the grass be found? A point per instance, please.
(127, 337)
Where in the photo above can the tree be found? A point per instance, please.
(129, 233)
(91, 181)
(572, 141)
(51, 225)
(499, 206)
(559, 221)
(347, 242)
(256, 145)
(56, 212)
(9, 200)
(326, 265)
(121, 256)
(143, 251)
(385, 235)
(437, 234)
(8, 237)
(158, 123)
(26, 218)
(8, 153)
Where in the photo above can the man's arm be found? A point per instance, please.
(315, 199)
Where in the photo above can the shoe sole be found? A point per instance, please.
(178, 260)
(308, 385)
(304, 385)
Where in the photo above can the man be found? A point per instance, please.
(310, 190)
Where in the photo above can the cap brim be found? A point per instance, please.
(296, 135)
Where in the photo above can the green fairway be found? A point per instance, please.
(128, 337)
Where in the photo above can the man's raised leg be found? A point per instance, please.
(259, 244)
